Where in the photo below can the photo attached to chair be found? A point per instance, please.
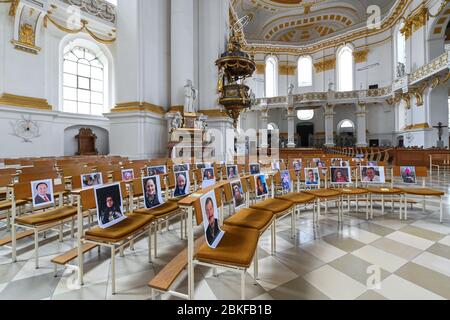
(297, 165)
(335, 160)
(312, 178)
(286, 183)
(182, 184)
(232, 172)
(344, 163)
(127, 174)
(109, 205)
(210, 214)
(372, 163)
(238, 194)
(341, 175)
(181, 167)
(372, 174)
(276, 165)
(91, 180)
(203, 165)
(156, 170)
(42, 193)
(261, 185)
(408, 175)
(255, 168)
(208, 179)
(151, 188)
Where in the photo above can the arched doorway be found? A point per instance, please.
(305, 132)
(346, 133)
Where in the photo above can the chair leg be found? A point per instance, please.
(293, 224)
(61, 232)
(155, 235)
(13, 242)
(113, 269)
(150, 244)
(36, 248)
(243, 284)
(255, 265)
(441, 212)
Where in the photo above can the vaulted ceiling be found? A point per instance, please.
(298, 22)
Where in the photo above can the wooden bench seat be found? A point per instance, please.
(251, 218)
(6, 204)
(72, 254)
(274, 205)
(120, 231)
(236, 248)
(167, 208)
(167, 276)
(297, 198)
(20, 235)
(423, 192)
(47, 217)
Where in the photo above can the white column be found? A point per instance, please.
(329, 125)
(182, 48)
(213, 32)
(361, 128)
(264, 119)
(291, 127)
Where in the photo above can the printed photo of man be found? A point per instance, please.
(42, 196)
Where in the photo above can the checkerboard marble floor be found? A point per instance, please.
(332, 261)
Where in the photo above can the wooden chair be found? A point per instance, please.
(41, 221)
(168, 210)
(235, 252)
(421, 172)
(115, 238)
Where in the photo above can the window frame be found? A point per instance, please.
(274, 75)
(304, 84)
(72, 55)
(340, 73)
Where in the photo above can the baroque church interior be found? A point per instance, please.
(224, 149)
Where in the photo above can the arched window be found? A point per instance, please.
(346, 126)
(401, 46)
(271, 77)
(345, 69)
(305, 115)
(83, 81)
(304, 72)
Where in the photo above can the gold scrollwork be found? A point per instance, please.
(26, 34)
(325, 65)
(83, 27)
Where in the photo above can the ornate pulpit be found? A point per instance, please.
(86, 142)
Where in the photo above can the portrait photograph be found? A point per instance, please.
(297, 165)
(408, 175)
(182, 184)
(181, 167)
(276, 165)
(42, 193)
(91, 180)
(344, 163)
(372, 174)
(261, 185)
(127, 174)
(203, 165)
(340, 175)
(312, 177)
(286, 183)
(156, 170)
(238, 194)
(109, 205)
(151, 187)
(232, 172)
(208, 177)
(255, 168)
(210, 214)
(372, 163)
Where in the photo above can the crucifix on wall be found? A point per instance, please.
(440, 128)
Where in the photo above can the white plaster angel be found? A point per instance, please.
(190, 95)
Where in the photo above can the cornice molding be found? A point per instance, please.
(8, 99)
(138, 106)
